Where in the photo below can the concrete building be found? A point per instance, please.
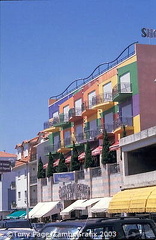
(7, 186)
(115, 97)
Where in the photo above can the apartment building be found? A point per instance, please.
(119, 97)
(7, 185)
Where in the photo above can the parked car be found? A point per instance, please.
(113, 228)
(38, 226)
(16, 229)
(15, 223)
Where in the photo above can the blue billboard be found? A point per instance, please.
(63, 177)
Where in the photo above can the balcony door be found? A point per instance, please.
(109, 122)
(107, 92)
(56, 141)
(79, 133)
(66, 113)
(78, 107)
(91, 97)
(127, 115)
(67, 138)
(125, 86)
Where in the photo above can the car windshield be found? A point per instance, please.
(60, 232)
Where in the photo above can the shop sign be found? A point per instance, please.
(5, 166)
(148, 32)
(74, 191)
(63, 177)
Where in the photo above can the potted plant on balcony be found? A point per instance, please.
(89, 162)
(62, 167)
(41, 170)
(74, 163)
(51, 168)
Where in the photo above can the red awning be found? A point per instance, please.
(81, 156)
(56, 162)
(45, 166)
(67, 160)
(115, 146)
(97, 151)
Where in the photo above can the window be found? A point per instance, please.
(91, 97)
(78, 105)
(19, 195)
(107, 91)
(55, 115)
(66, 113)
(125, 85)
(138, 231)
(109, 122)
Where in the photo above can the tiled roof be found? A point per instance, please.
(22, 161)
(5, 154)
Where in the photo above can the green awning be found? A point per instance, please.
(16, 214)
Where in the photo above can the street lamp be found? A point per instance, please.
(27, 187)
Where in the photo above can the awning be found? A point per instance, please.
(44, 209)
(72, 207)
(114, 146)
(81, 156)
(97, 151)
(86, 204)
(102, 205)
(68, 159)
(134, 200)
(16, 214)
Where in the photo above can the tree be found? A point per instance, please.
(41, 170)
(62, 167)
(50, 169)
(74, 163)
(106, 154)
(89, 162)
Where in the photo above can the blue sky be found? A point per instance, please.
(47, 44)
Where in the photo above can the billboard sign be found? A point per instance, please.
(63, 177)
(5, 166)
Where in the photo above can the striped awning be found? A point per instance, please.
(134, 200)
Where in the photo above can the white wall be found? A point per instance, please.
(21, 186)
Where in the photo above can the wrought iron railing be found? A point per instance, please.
(127, 121)
(73, 112)
(79, 137)
(101, 68)
(121, 88)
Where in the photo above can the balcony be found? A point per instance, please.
(91, 134)
(79, 137)
(103, 101)
(108, 127)
(65, 146)
(49, 126)
(75, 114)
(33, 180)
(13, 185)
(52, 148)
(123, 121)
(61, 121)
(122, 91)
(87, 109)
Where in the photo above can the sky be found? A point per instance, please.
(46, 44)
